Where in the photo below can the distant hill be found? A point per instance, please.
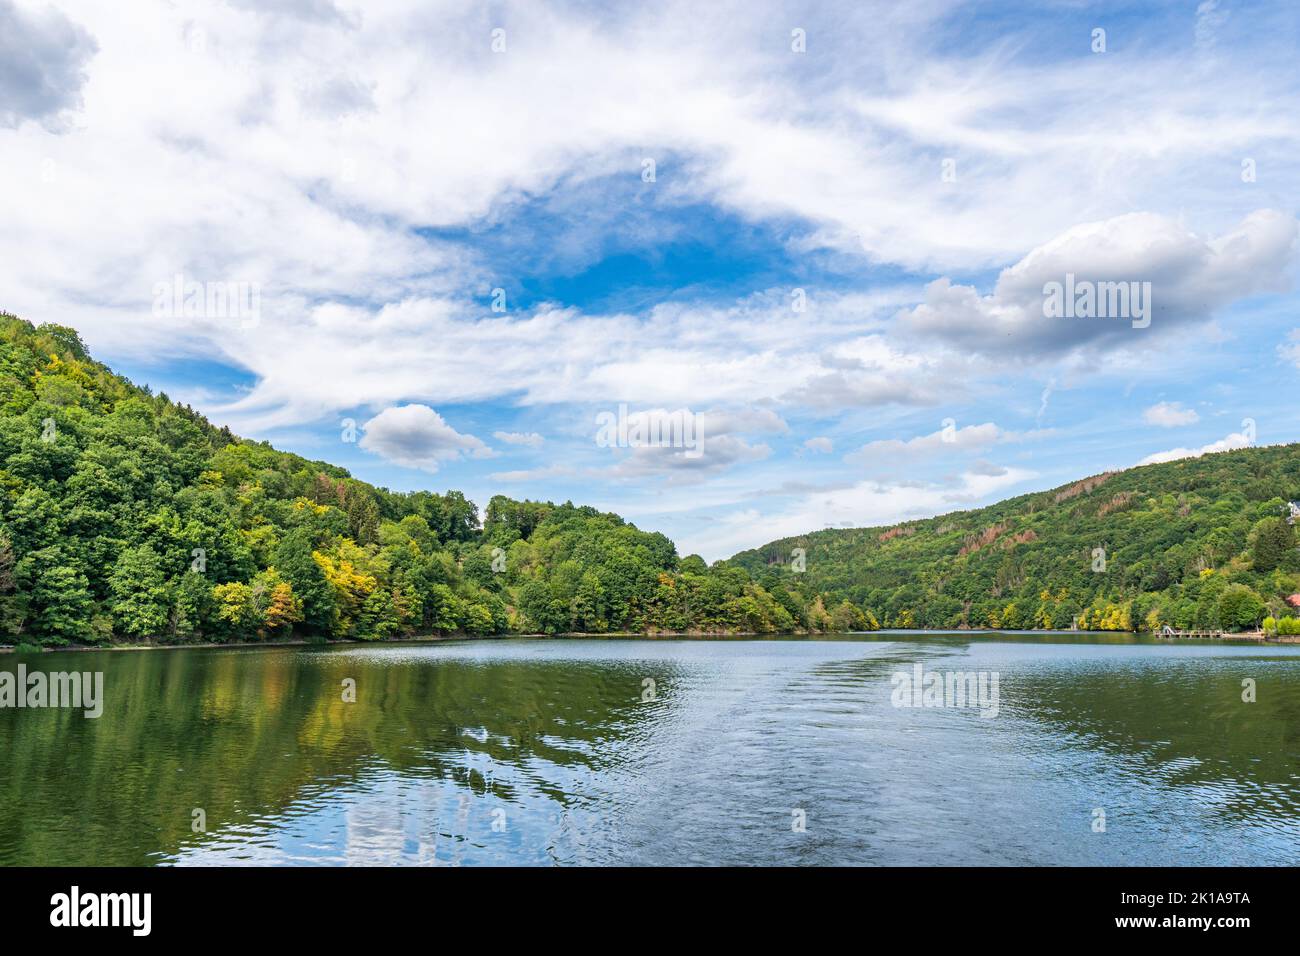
(1197, 543)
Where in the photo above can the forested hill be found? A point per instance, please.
(1197, 543)
(127, 517)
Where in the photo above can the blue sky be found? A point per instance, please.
(837, 269)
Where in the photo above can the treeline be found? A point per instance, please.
(127, 517)
(1204, 543)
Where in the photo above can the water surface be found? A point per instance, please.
(662, 752)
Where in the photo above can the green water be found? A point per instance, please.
(740, 752)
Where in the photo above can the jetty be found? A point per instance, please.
(1219, 635)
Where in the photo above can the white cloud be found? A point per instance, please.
(260, 134)
(532, 474)
(1170, 415)
(690, 445)
(416, 436)
(864, 504)
(893, 452)
(530, 439)
(952, 438)
(716, 453)
(730, 421)
(744, 356)
(1190, 278)
(1230, 443)
(820, 444)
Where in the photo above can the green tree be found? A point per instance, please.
(293, 560)
(194, 610)
(57, 602)
(1240, 607)
(140, 596)
(847, 617)
(1270, 543)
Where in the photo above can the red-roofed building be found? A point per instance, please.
(1293, 600)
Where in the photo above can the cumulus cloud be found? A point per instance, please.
(1229, 443)
(1170, 415)
(684, 445)
(750, 420)
(43, 59)
(870, 370)
(530, 439)
(716, 453)
(415, 436)
(1190, 278)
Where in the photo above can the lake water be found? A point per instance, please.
(787, 751)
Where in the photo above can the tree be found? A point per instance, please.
(284, 608)
(847, 617)
(587, 607)
(379, 617)
(57, 602)
(363, 517)
(1270, 542)
(440, 609)
(237, 608)
(194, 610)
(545, 613)
(344, 569)
(8, 602)
(1240, 607)
(140, 596)
(295, 564)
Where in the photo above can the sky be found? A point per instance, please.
(444, 245)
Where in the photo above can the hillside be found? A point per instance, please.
(127, 517)
(1197, 543)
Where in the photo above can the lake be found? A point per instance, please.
(1110, 750)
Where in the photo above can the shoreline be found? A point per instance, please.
(1245, 637)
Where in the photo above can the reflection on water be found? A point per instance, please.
(662, 752)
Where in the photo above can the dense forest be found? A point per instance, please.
(1200, 543)
(125, 517)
